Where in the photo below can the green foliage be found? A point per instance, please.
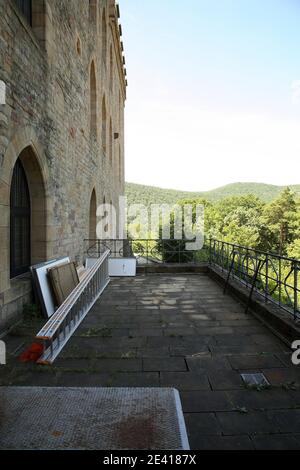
(281, 221)
(294, 249)
(268, 223)
(140, 194)
(173, 251)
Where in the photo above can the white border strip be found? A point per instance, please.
(2, 93)
(182, 427)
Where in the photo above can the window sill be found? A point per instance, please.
(21, 278)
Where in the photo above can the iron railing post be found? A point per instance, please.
(295, 290)
(280, 281)
(267, 279)
(220, 255)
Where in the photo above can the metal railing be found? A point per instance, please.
(147, 251)
(59, 329)
(273, 277)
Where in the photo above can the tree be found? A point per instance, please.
(294, 249)
(281, 222)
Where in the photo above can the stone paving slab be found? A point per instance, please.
(188, 350)
(162, 352)
(285, 359)
(283, 376)
(245, 349)
(225, 380)
(137, 333)
(185, 380)
(266, 361)
(164, 364)
(288, 421)
(200, 442)
(277, 442)
(179, 331)
(136, 379)
(203, 424)
(197, 402)
(254, 422)
(208, 362)
(269, 399)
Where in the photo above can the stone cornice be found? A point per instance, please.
(114, 15)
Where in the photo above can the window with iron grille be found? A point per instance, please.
(19, 222)
(25, 6)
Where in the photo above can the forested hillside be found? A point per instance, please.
(259, 216)
(140, 194)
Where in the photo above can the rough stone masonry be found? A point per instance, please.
(63, 68)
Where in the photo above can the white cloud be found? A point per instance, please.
(180, 148)
(296, 92)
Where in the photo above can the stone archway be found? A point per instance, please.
(34, 250)
(24, 146)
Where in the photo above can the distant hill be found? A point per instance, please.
(140, 194)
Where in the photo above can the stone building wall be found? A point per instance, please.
(59, 71)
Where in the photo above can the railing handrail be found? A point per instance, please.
(277, 276)
(276, 280)
(102, 240)
(59, 316)
(255, 250)
(208, 240)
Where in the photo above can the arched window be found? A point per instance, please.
(28, 216)
(93, 220)
(103, 133)
(35, 13)
(111, 69)
(105, 215)
(93, 11)
(25, 6)
(110, 142)
(78, 46)
(104, 38)
(93, 101)
(20, 221)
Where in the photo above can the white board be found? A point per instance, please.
(89, 262)
(122, 267)
(42, 284)
(117, 267)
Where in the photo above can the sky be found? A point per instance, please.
(213, 92)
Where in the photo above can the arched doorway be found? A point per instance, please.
(28, 244)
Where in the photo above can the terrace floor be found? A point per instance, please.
(179, 331)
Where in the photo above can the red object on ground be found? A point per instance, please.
(33, 353)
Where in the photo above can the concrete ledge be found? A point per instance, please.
(173, 269)
(281, 323)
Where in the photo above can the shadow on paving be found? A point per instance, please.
(182, 332)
